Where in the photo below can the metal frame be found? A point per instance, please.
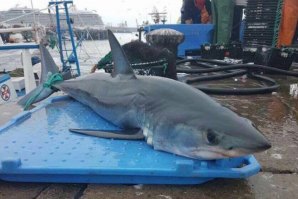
(61, 39)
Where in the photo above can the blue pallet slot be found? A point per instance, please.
(36, 146)
(195, 34)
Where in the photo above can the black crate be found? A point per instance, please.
(258, 35)
(274, 57)
(256, 40)
(258, 18)
(260, 21)
(262, 55)
(193, 52)
(281, 58)
(250, 2)
(266, 9)
(234, 50)
(249, 54)
(213, 51)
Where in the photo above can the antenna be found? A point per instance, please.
(158, 16)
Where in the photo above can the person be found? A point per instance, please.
(140, 52)
(196, 11)
(288, 23)
(205, 10)
(189, 12)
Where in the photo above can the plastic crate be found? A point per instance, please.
(36, 146)
(261, 18)
(281, 58)
(195, 34)
(213, 51)
(249, 54)
(235, 50)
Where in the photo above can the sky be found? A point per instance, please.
(114, 11)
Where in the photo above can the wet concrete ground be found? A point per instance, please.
(275, 114)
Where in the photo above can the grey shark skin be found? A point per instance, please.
(173, 116)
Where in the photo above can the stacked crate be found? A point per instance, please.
(262, 22)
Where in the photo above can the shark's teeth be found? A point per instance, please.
(145, 132)
(150, 141)
(148, 135)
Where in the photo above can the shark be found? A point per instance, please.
(169, 115)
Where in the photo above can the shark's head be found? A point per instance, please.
(221, 136)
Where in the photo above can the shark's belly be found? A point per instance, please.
(122, 117)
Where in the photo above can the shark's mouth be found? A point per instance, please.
(208, 153)
(217, 153)
(201, 153)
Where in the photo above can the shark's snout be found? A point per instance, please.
(261, 145)
(258, 142)
(248, 141)
(265, 146)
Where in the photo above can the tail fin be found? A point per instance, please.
(48, 67)
(47, 64)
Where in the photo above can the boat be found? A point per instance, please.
(80, 18)
(28, 77)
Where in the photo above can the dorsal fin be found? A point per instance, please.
(121, 63)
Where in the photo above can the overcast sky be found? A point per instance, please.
(114, 11)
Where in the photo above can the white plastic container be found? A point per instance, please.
(18, 83)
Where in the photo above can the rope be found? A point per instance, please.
(165, 67)
(104, 65)
(152, 63)
(57, 77)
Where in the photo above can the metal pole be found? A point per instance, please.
(30, 83)
(15, 30)
(59, 35)
(72, 39)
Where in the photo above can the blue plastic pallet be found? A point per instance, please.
(36, 146)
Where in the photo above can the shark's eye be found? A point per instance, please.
(212, 138)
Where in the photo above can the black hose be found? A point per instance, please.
(204, 65)
(202, 60)
(230, 72)
(227, 74)
(238, 66)
(243, 91)
(216, 77)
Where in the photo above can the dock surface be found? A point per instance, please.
(274, 114)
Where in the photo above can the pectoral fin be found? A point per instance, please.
(129, 134)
